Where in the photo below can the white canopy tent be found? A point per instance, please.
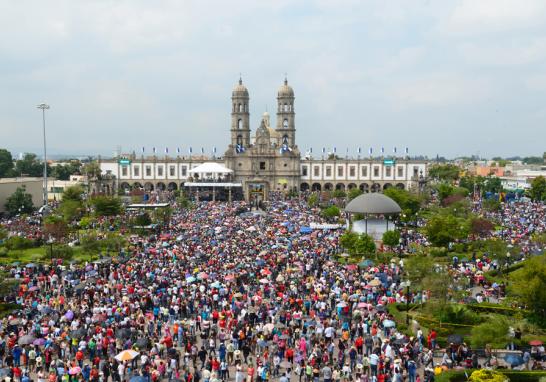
(210, 170)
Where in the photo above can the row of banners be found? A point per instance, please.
(284, 148)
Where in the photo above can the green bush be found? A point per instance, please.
(513, 375)
(3, 251)
(457, 314)
(438, 251)
(17, 242)
(493, 331)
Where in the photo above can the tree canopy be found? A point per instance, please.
(538, 188)
(106, 205)
(30, 165)
(528, 285)
(20, 202)
(444, 229)
(6, 163)
(444, 172)
(391, 238)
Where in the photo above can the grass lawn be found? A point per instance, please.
(38, 255)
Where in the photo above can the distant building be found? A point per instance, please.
(269, 161)
(33, 186)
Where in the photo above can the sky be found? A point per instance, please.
(439, 77)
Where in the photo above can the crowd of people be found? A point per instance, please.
(220, 294)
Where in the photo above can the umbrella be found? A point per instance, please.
(305, 230)
(202, 276)
(514, 359)
(365, 263)
(284, 337)
(229, 277)
(375, 282)
(264, 281)
(33, 289)
(190, 279)
(216, 285)
(342, 304)
(5, 372)
(78, 333)
(74, 370)
(142, 343)
(535, 342)
(31, 265)
(280, 279)
(123, 333)
(456, 339)
(15, 321)
(389, 323)
(69, 315)
(39, 342)
(126, 355)
(138, 378)
(26, 340)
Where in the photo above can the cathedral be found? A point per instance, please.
(255, 165)
(271, 159)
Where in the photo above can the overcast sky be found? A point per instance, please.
(446, 77)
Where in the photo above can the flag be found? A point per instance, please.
(370, 151)
(214, 149)
(142, 149)
(407, 150)
(359, 150)
(202, 150)
(310, 150)
(382, 150)
(239, 149)
(324, 150)
(335, 150)
(190, 150)
(153, 149)
(166, 150)
(394, 149)
(178, 150)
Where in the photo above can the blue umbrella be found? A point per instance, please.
(216, 284)
(190, 279)
(306, 230)
(389, 323)
(514, 359)
(138, 378)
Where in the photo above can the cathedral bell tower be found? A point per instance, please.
(240, 118)
(286, 126)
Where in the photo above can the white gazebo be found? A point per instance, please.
(211, 176)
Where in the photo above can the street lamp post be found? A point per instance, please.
(44, 107)
(407, 284)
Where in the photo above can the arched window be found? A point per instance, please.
(285, 107)
(240, 124)
(240, 108)
(240, 140)
(289, 107)
(285, 124)
(246, 107)
(285, 139)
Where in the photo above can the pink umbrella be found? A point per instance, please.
(74, 370)
(203, 276)
(229, 277)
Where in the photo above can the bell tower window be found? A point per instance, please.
(285, 124)
(240, 108)
(240, 140)
(240, 124)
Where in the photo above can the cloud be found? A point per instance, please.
(471, 17)
(439, 90)
(506, 53)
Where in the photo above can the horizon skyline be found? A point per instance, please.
(453, 78)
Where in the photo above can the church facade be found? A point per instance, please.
(267, 161)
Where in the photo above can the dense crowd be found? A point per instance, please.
(220, 294)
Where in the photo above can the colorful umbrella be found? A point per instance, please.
(126, 355)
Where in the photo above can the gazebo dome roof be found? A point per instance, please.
(373, 203)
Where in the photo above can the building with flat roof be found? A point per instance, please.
(33, 186)
(269, 160)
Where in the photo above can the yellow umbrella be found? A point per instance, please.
(126, 355)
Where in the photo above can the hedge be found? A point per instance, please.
(514, 375)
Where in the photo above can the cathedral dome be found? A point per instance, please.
(285, 90)
(240, 90)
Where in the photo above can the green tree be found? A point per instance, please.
(20, 202)
(90, 244)
(442, 230)
(491, 205)
(63, 172)
(494, 331)
(330, 212)
(391, 238)
(480, 226)
(538, 188)
(492, 184)
(30, 165)
(339, 194)
(444, 172)
(417, 267)
(353, 193)
(408, 202)
(73, 193)
(162, 215)
(142, 220)
(348, 240)
(6, 163)
(92, 170)
(528, 285)
(364, 245)
(106, 205)
(533, 160)
(312, 200)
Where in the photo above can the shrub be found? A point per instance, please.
(493, 331)
(17, 242)
(484, 375)
(3, 252)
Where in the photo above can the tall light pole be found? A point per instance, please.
(44, 107)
